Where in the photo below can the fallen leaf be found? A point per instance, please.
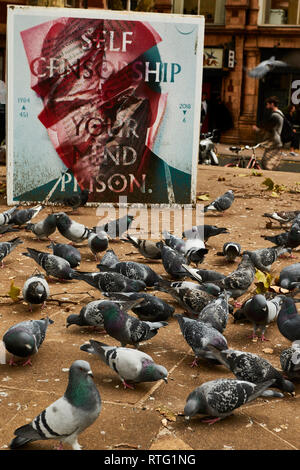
(256, 173)
(278, 289)
(203, 197)
(14, 292)
(274, 194)
(269, 183)
(268, 351)
(264, 281)
(166, 412)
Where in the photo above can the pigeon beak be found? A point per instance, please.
(293, 394)
(187, 418)
(165, 380)
(90, 373)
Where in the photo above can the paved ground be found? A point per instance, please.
(150, 417)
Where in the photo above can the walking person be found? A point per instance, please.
(272, 128)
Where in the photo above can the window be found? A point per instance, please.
(279, 12)
(213, 10)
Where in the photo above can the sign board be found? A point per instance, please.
(103, 100)
(213, 58)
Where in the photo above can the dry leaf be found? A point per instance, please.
(273, 194)
(264, 281)
(278, 289)
(164, 411)
(268, 351)
(269, 183)
(14, 292)
(203, 197)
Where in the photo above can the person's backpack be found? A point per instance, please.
(287, 133)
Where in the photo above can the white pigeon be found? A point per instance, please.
(266, 66)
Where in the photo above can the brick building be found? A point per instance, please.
(238, 35)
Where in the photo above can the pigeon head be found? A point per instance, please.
(288, 386)
(219, 342)
(73, 320)
(153, 372)
(19, 343)
(63, 221)
(196, 255)
(81, 391)
(194, 404)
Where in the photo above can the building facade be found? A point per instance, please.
(239, 34)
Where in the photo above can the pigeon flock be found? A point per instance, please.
(129, 310)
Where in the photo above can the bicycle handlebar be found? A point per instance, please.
(248, 147)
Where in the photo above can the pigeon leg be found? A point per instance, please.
(263, 338)
(30, 308)
(237, 305)
(44, 305)
(126, 385)
(12, 362)
(28, 362)
(2, 264)
(194, 363)
(210, 420)
(59, 447)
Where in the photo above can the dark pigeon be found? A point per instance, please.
(109, 282)
(231, 250)
(178, 244)
(172, 261)
(21, 216)
(76, 200)
(133, 270)
(109, 259)
(206, 231)
(203, 275)
(116, 228)
(283, 217)
(290, 360)
(36, 290)
(216, 312)
(68, 416)
(98, 242)
(44, 228)
(146, 248)
(289, 277)
(288, 319)
(68, 252)
(54, 266)
(265, 257)
(25, 338)
(7, 247)
(221, 203)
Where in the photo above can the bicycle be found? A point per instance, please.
(241, 161)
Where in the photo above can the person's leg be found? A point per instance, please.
(271, 159)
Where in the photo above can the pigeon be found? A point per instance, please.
(131, 365)
(90, 314)
(252, 368)
(133, 270)
(216, 312)
(195, 249)
(98, 242)
(7, 229)
(44, 228)
(36, 290)
(203, 275)
(239, 281)
(21, 216)
(192, 300)
(288, 319)
(218, 398)
(260, 312)
(172, 261)
(70, 229)
(25, 338)
(290, 239)
(265, 257)
(109, 259)
(283, 217)
(146, 248)
(53, 265)
(125, 328)
(206, 231)
(116, 228)
(109, 282)
(185, 285)
(221, 203)
(178, 244)
(199, 335)
(289, 277)
(68, 252)
(230, 250)
(76, 200)
(290, 360)
(68, 416)
(5, 217)
(264, 67)
(7, 247)
(151, 308)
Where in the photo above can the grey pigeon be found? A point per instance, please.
(109, 259)
(151, 308)
(76, 200)
(7, 229)
(265, 257)
(221, 203)
(53, 265)
(68, 416)
(289, 239)
(288, 319)
(133, 270)
(266, 66)
(206, 231)
(98, 242)
(178, 244)
(230, 250)
(21, 216)
(109, 281)
(252, 368)
(146, 248)
(216, 312)
(71, 229)
(239, 281)
(195, 249)
(25, 338)
(44, 228)
(290, 360)
(116, 228)
(131, 365)
(192, 300)
(289, 277)
(218, 398)
(199, 335)
(203, 275)
(125, 328)
(36, 290)
(172, 261)
(283, 217)
(5, 217)
(7, 247)
(260, 312)
(68, 252)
